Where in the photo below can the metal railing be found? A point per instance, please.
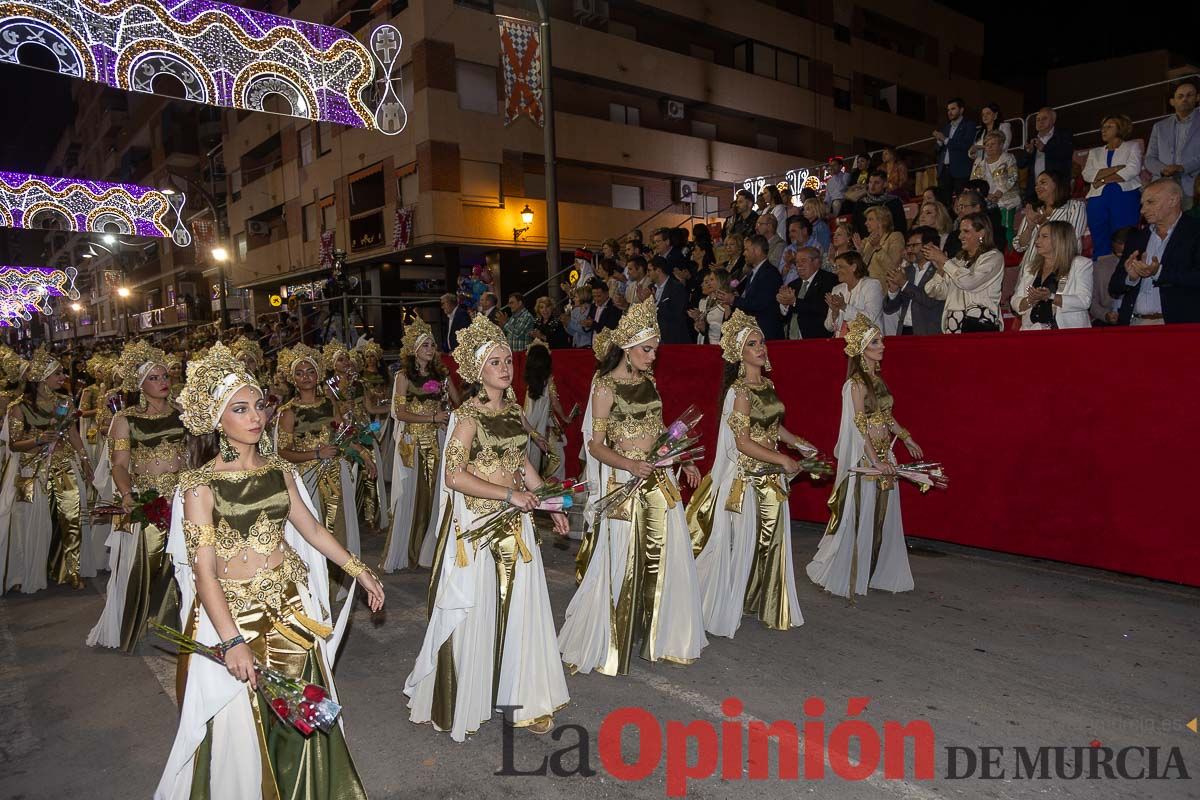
(1076, 103)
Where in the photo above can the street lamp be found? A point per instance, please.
(123, 293)
(77, 308)
(221, 255)
(527, 218)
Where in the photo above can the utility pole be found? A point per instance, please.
(552, 245)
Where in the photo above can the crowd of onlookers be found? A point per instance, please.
(1006, 238)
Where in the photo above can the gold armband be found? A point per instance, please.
(600, 424)
(860, 422)
(903, 435)
(120, 445)
(354, 567)
(738, 422)
(402, 400)
(456, 456)
(287, 441)
(197, 535)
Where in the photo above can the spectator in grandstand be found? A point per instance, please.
(731, 257)
(1053, 202)
(799, 235)
(883, 247)
(672, 299)
(860, 172)
(701, 237)
(916, 312)
(841, 241)
(933, 214)
(1114, 173)
(1050, 150)
(770, 202)
(1055, 290)
(520, 323)
(709, 314)
(766, 228)
(954, 142)
(991, 121)
(603, 314)
(743, 217)
(877, 195)
(999, 169)
(755, 292)
(813, 210)
(581, 305)
(1104, 305)
(549, 327)
(968, 202)
(1158, 277)
(637, 284)
(802, 302)
(969, 283)
(703, 260)
(1174, 148)
(856, 293)
(897, 172)
(610, 249)
(609, 271)
(835, 185)
(456, 319)
(995, 215)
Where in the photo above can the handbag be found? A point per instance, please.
(972, 319)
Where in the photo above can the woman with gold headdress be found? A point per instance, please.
(51, 510)
(90, 398)
(367, 355)
(739, 520)
(353, 404)
(864, 540)
(250, 560)
(12, 368)
(421, 395)
(490, 640)
(149, 448)
(305, 438)
(639, 584)
(250, 353)
(544, 412)
(175, 374)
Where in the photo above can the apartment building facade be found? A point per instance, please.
(647, 93)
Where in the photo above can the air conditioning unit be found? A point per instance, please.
(673, 109)
(588, 11)
(258, 228)
(685, 191)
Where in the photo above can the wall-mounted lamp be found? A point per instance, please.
(527, 218)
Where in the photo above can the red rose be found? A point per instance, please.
(302, 726)
(314, 693)
(280, 707)
(568, 484)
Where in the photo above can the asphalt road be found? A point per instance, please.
(990, 650)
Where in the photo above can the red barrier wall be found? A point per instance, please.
(1076, 445)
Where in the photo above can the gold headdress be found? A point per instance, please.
(330, 352)
(12, 365)
(137, 359)
(474, 343)
(734, 333)
(859, 335)
(211, 381)
(243, 347)
(97, 365)
(174, 359)
(415, 330)
(368, 348)
(538, 343)
(289, 357)
(638, 325)
(42, 365)
(601, 343)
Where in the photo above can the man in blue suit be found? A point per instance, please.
(954, 141)
(756, 294)
(456, 319)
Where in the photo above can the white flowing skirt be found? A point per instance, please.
(107, 632)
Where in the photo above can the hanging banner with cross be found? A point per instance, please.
(521, 58)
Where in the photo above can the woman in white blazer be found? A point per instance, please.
(1114, 173)
(1055, 291)
(970, 282)
(856, 294)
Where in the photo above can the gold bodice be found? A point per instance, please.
(89, 398)
(27, 420)
(416, 401)
(313, 425)
(876, 420)
(154, 440)
(636, 410)
(498, 449)
(763, 421)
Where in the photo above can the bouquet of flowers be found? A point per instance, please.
(347, 433)
(116, 403)
(925, 474)
(676, 445)
(816, 466)
(552, 496)
(149, 508)
(64, 418)
(304, 706)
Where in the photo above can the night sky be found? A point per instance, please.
(1020, 46)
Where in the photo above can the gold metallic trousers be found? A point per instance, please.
(151, 592)
(62, 492)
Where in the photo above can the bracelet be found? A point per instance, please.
(354, 567)
(508, 497)
(226, 645)
(903, 435)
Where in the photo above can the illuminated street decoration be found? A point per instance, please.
(38, 201)
(24, 290)
(796, 179)
(223, 55)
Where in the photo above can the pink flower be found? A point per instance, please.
(431, 386)
(677, 430)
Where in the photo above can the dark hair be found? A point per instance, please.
(678, 237)
(701, 233)
(660, 264)
(1121, 235)
(994, 107)
(710, 255)
(612, 359)
(759, 241)
(414, 375)
(608, 264)
(728, 375)
(981, 222)
(1062, 187)
(928, 235)
(520, 297)
(1192, 82)
(972, 196)
(638, 260)
(744, 193)
(979, 187)
(801, 220)
(598, 283)
(537, 371)
(958, 101)
(772, 193)
(855, 260)
(807, 193)
(878, 173)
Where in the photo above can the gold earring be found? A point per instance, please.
(741, 370)
(266, 447)
(629, 363)
(228, 452)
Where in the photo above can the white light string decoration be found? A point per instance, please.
(39, 201)
(222, 54)
(24, 290)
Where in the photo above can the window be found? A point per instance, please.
(324, 138)
(535, 185)
(480, 182)
(629, 197)
(310, 217)
(328, 214)
(704, 130)
(235, 183)
(771, 62)
(366, 190)
(841, 92)
(239, 242)
(476, 87)
(765, 142)
(623, 114)
(306, 146)
(408, 187)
